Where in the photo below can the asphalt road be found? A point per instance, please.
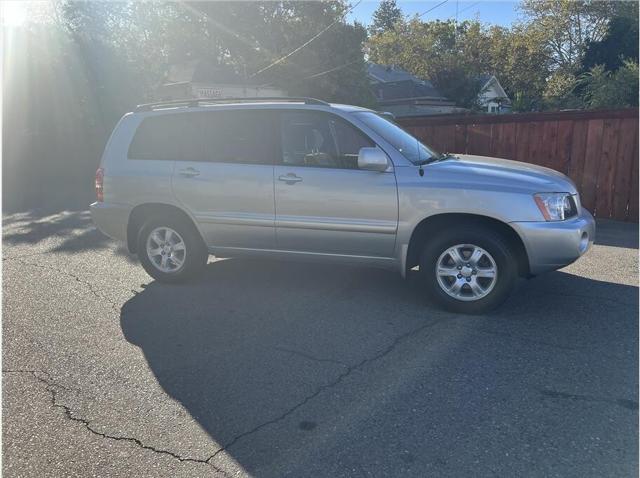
(289, 369)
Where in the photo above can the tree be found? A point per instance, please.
(565, 27)
(275, 43)
(620, 43)
(520, 64)
(561, 92)
(436, 52)
(605, 89)
(454, 57)
(385, 17)
(96, 60)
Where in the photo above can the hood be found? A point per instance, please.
(507, 173)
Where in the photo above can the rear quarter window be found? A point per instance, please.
(168, 137)
(224, 136)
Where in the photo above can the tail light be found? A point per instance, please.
(99, 182)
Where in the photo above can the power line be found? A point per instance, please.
(331, 70)
(322, 73)
(470, 6)
(433, 8)
(280, 60)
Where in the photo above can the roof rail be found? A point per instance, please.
(193, 102)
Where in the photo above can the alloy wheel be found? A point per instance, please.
(466, 272)
(166, 249)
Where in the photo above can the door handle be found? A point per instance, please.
(189, 172)
(290, 178)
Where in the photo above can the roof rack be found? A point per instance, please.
(191, 103)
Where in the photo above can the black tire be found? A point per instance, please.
(493, 243)
(195, 252)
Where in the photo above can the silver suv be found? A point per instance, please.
(298, 177)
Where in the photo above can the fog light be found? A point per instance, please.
(584, 242)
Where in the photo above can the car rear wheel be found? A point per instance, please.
(471, 271)
(170, 249)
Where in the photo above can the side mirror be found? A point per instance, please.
(372, 159)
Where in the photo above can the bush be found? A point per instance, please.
(605, 89)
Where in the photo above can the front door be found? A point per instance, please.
(324, 203)
(228, 185)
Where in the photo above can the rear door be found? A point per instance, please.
(324, 203)
(226, 181)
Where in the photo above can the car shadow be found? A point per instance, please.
(249, 343)
(617, 234)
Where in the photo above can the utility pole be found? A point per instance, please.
(455, 34)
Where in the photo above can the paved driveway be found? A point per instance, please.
(286, 369)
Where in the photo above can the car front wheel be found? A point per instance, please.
(471, 271)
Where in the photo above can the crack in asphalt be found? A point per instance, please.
(53, 387)
(20, 256)
(333, 383)
(349, 369)
(87, 284)
(311, 357)
(621, 402)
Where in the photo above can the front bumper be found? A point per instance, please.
(555, 244)
(111, 219)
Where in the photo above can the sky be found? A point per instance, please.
(496, 12)
(502, 13)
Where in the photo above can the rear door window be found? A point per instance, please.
(241, 136)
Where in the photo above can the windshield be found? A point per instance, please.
(410, 147)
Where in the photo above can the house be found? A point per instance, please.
(491, 96)
(403, 94)
(201, 79)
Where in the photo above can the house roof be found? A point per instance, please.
(403, 90)
(485, 81)
(391, 82)
(387, 73)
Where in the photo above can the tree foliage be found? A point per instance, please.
(73, 76)
(454, 56)
(246, 36)
(620, 42)
(565, 27)
(385, 17)
(537, 60)
(606, 89)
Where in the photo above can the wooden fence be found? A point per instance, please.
(597, 149)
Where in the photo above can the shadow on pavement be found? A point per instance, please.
(68, 231)
(617, 234)
(253, 350)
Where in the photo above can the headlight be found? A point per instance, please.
(556, 206)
